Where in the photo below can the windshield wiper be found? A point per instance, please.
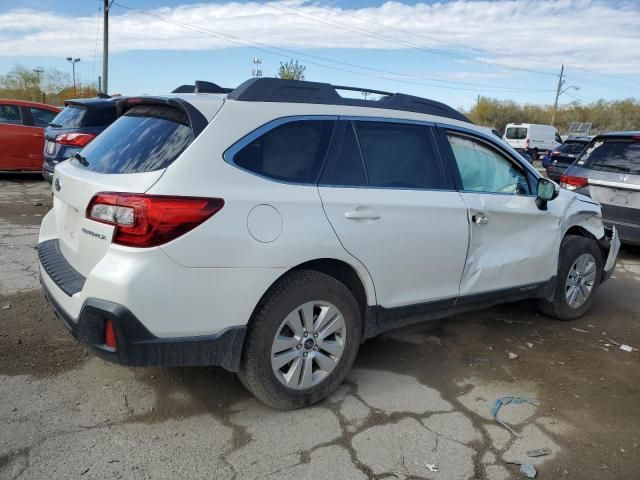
(615, 168)
(54, 125)
(81, 159)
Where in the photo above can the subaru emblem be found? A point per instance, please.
(57, 184)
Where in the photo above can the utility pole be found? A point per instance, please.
(555, 104)
(39, 72)
(105, 45)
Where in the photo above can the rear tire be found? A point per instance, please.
(319, 361)
(579, 270)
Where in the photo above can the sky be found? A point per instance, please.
(452, 51)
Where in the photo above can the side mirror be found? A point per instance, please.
(547, 190)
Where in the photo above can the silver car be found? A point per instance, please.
(608, 170)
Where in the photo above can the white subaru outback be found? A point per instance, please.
(273, 228)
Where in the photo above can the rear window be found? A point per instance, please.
(516, 133)
(101, 116)
(571, 148)
(69, 117)
(145, 138)
(619, 155)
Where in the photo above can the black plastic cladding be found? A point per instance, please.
(197, 120)
(296, 91)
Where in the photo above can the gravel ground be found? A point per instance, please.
(417, 405)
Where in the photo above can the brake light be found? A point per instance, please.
(573, 183)
(75, 139)
(150, 220)
(555, 153)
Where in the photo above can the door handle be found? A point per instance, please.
(362, 215)
(480, 218)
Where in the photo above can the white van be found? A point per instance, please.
(531, 137)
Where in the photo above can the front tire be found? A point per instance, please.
(302, 342)
(579, 270)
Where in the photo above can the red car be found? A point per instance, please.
(22, 126)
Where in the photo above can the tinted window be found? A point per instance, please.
(516, 133)
(69, 117)
(10, 114)
(484, 170)
(102, 116)
(613, 155)
(146, 138)
(41, 117)
(292, 152)
(398, 155)
(571, 148)
(558, 138)
(348, 169)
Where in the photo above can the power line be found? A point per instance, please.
(270, 50)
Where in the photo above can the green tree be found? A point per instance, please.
(291, 70)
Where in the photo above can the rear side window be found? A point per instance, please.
(571, 148)
(292, 152)
(348, 167)
(398, 155)
(10, 114)
(41, 117)
(516, 133)
(617, 155)
(145, 138)
(69, 117)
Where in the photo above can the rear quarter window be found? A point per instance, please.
(616, 155)
(69, 117)
(145, 138)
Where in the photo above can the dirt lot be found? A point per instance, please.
(418, 400)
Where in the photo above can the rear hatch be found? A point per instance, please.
(74, 127)
(614, 177)
(128, 157)
(517, 137)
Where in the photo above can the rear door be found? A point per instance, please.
(386, 195)
(517, 135)
(129, 156)
(513, 244)
(16, 139)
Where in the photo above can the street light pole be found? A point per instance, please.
(73, 65)
(555, 104)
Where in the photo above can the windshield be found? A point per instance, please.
(619, 155)
(571, 148)
(516, 133)
(69, 117)
(146, 138)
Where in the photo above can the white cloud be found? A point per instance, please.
(594, 34)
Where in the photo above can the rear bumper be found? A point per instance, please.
(136, 346)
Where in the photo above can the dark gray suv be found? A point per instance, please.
(608, 170)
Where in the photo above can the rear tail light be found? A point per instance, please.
(555, 153)
(150, 220)
(573, 183)
(110, 335)
(75, 139)
(526, 144)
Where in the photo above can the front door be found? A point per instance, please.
(386, 196)
(513, 244)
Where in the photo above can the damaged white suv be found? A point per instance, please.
(272, 228)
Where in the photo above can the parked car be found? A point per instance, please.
(535, 139)
(558, 160)
(22, 134)
(272, 229)
(608, 170)
(74, 127)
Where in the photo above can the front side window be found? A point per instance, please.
(10, 114)
(516, 133)
(292, 152)
(482, 169)
(145, 138)
(398, 155)
(41, 117)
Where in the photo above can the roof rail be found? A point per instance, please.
(295, 91)
(202, 87)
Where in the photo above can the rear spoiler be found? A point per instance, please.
(197, 120)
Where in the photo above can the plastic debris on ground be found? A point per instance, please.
(500, 402)
(526, 469)
(432, 467)
(580, 330)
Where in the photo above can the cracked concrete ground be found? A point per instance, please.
(417, 404)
